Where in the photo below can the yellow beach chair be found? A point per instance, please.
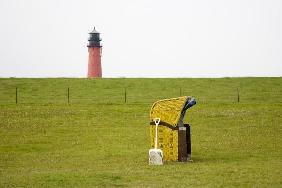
(173, 136)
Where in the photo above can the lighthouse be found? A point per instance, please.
(94, 57)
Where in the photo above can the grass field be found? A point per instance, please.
(100, 138)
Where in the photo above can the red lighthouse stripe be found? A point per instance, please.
(94, 62)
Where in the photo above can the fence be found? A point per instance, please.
(86, 95)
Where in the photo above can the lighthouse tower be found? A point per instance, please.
(95, 51)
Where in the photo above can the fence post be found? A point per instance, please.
(16, 95)
(68, 95)
(238, 95)
(125, 95)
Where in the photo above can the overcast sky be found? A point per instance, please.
(142, 38)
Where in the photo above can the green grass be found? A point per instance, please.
(99, 141)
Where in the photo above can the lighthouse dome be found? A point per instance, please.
(94, 31)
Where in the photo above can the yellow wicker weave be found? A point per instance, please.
(169, 110)
(167, 141)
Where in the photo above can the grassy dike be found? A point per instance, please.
(100, 137)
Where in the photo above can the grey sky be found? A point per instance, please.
(142, 38)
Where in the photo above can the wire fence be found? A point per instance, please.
(75, 95)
